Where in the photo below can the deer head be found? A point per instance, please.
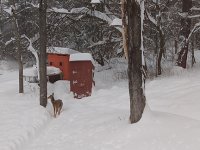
(51, 97)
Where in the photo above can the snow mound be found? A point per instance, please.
(197, 56)
(30, 72)
(176, 70)
(60, 88)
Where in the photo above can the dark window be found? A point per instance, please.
(50, 63)
(61, 63)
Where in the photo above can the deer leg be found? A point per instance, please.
(59, 110)
(54, 110)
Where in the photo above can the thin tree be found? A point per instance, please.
(124, 26)
(1, 16)
(135, 58)
(186, 25)
(19, 49)
(42, 54)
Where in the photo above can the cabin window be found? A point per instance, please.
(61, 63)
(51, 63)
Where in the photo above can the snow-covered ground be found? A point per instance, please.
(171, 120)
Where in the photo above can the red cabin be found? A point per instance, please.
(59, 58)
(82, 66)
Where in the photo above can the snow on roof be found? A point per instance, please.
(53, 70)
(116, 22)
(95, 1)
(81, 57)
(61, 50)
(33, 72)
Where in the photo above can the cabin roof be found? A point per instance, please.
(81, 57)
(61, 50)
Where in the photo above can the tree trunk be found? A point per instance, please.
(19, 49)
(186, 24)
(162, 50)
(192, 46)
(176, 46)
(137, 98)
(43, 55)
(124, 26)
(1, 15)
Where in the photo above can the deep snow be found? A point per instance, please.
(171, 120)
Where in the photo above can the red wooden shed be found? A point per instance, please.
(59, 57)
(82, 66)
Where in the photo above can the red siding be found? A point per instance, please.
(62, 62)
(82, 78)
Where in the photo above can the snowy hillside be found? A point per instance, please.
(171, 119)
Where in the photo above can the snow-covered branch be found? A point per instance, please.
(84, 10)
(32, 49)
(195, 8)
(151, 18)
(194, 16)
(195, 28)
(33, 5)
(9, 41)
(105, 41)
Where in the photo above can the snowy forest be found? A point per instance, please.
(99, 74)
(96, 28)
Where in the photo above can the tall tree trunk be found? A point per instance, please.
(176, 46)
(137, 98)
(162, 50)
(186, 24)
(19, 49)
(192, 47)
(43, 55)
(124, 26)
(1, 15)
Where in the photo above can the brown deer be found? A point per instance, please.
(57, 105)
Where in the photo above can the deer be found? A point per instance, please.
(57, 105)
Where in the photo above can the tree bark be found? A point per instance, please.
(192, 55)
(124, 26)
(186, 25)
(19, 49)
(176, 46)
(1, 15)
(43, 55)
(162, 50)
(137, 98)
